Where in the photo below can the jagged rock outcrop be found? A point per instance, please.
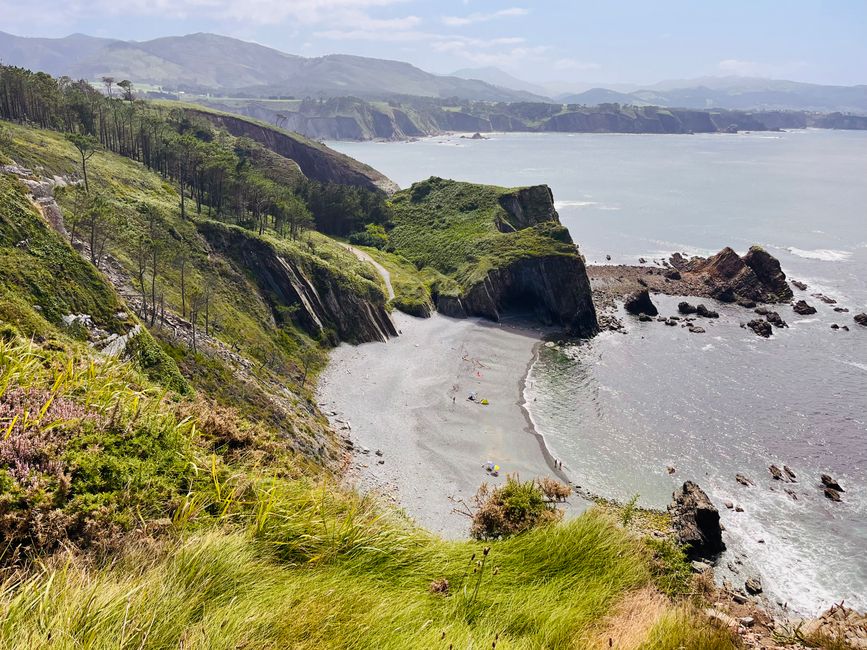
(767, 269)
(316, 161)
(756, 276)
(696, 522)
(303, 290)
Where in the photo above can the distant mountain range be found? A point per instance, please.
(212, 64)
(208, 63)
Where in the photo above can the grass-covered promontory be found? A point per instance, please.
(463, 230)
(501, 251)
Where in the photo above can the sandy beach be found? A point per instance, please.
(408, 399)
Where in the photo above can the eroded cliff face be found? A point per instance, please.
(304, 290)
(553, 290)
(316, 161)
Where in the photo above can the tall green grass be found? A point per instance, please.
(330, 569)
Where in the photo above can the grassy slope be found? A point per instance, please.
(241, 318)
(451, 227)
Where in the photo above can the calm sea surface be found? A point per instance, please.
(621, 408)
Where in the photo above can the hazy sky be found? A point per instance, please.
(612, 42)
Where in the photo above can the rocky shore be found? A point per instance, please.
(751, 281)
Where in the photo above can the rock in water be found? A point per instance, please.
(685, 308)
(832, 494)
(775, 319)
(743, 480)
(761, 327)
(861, 319)
(640, 303)
(829, 482)
(799, 285)
(802, 308)
(696, 522)
(704, 312)
(756, 276)
(768, 271)
(776, 472)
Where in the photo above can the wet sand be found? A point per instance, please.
(408, 399)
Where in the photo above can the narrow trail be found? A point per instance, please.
(364, 257)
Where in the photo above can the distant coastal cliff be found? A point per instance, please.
(350, 118)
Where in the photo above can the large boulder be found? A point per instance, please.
(761, 327)
(696, 522)
(803, 308)
(640, 303)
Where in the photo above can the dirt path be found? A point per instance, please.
(364, 257)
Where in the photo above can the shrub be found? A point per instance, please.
(553, 489)
(373, 235)
(510, 509)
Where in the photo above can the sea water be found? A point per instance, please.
(621, 409)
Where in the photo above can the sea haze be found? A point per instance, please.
(622, 408)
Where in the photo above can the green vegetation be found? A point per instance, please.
(455, 228)
(413, 288)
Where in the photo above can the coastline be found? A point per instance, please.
(433, 440)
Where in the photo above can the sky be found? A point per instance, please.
(623, 42)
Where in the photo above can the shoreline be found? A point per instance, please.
(426, 452)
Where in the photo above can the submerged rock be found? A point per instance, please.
(799, 285)
(743, 480)
(696, 522)
(639, 302)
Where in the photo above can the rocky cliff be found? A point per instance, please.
(505, 249)
(303, 289)
(553, 290)
(350, 118)
(316, 161)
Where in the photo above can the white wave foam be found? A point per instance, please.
(823, 254)
(574, 204)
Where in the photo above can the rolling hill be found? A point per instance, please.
(219, 64)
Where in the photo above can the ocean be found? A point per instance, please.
(620, 409)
